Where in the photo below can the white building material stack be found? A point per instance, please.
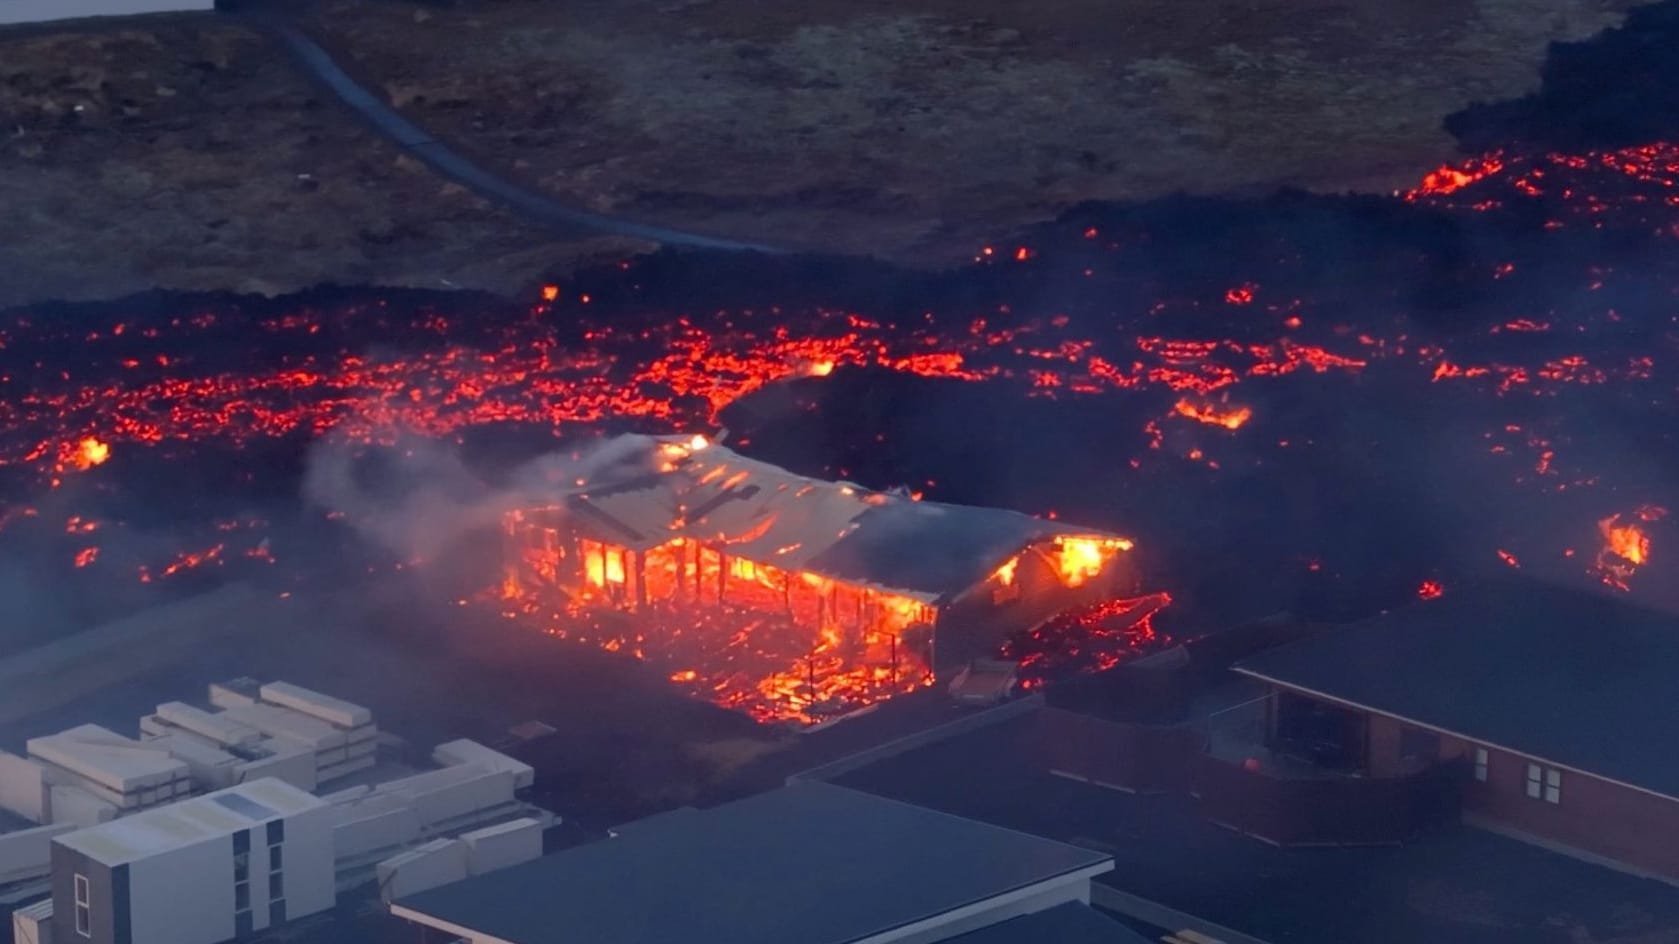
(27, 853)
(33, 924)
(367, 822)
(128, 774)
(216, 763)
(24, 790)
(465, 751)
(342, 735)
(456, 797)
(74, 806)
(433, 865)
(497, 847)
(217, 728)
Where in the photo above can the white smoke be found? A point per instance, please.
(419, 498)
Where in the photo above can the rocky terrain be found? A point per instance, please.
(189, 155)
(189, 152)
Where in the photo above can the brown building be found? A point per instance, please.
(1558, 705)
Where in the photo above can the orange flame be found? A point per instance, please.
(1626, 546)
(1005, 573)
(1213, 415)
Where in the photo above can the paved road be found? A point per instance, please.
(529, 204)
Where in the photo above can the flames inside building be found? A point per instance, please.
(788, 597)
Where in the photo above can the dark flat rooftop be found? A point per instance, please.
(1456, 886)
(811, 864)
(1574, 677)
(1072, 923)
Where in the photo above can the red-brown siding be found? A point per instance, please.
(1595, 816)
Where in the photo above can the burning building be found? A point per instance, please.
(787, 596)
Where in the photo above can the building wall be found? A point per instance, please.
(1592, 815)
(108, 912)
(184, 895)
(310, 880)
(33, 11)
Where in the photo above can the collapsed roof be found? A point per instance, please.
(656, 489)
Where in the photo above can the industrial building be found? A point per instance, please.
(200, 871)
(806, 864)
(37, 11)
(883, 586)
(1553, 704)
(90, 778)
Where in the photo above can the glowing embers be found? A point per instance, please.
(778, 644)
(1626, 545)
(1214, 414)
(1090, 638)
(1078, 560)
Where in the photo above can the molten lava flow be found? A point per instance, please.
(1214, 415)
(1626, 546)
(1430, 590)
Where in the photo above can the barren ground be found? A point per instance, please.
(170, 153)
(188, 154)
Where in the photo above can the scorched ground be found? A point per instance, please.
(1329, 405)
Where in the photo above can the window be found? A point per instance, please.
(276, 886)
(242, 896)
(84, 907)
(1544, 783)
(276, 861)
(241, 866)
(1481, 764)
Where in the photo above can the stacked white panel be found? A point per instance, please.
(498, 847)
(465, 751)
(435, 864)
(24, 788)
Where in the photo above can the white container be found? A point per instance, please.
(465, 751)
(433, 865)
(334, 711)
(23, 788)
(501, 846)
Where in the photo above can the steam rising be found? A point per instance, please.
(419, 499)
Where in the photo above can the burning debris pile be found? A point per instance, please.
(784, 596)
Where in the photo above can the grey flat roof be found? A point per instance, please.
(1071, 923)
(1578, 678)
(807, 864)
